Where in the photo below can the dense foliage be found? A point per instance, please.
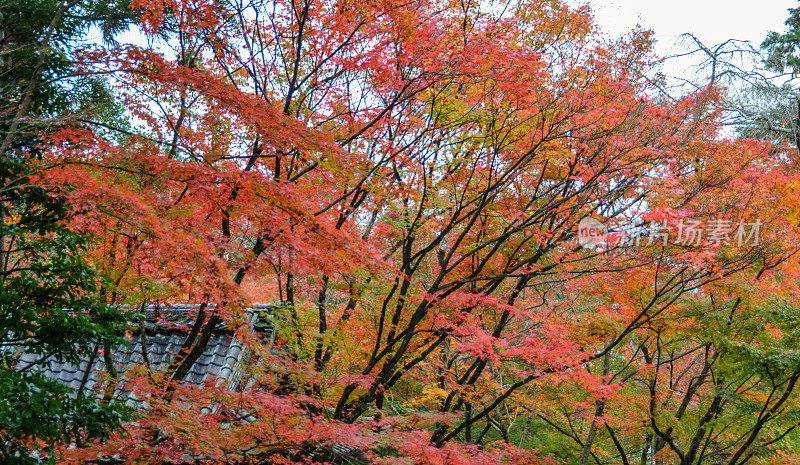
(408, 179)
(50, 306)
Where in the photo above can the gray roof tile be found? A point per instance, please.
(166, 329)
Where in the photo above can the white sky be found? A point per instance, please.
(712, 21)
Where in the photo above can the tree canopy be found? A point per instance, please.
(410, 183)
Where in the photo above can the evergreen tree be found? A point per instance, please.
(49, 295)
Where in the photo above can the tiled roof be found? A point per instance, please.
(166, 329)
(181, 317)
(221, 360)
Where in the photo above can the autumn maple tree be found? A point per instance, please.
(404, 181)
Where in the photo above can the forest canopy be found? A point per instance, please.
(486, 232)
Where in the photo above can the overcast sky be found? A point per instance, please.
(712, 21)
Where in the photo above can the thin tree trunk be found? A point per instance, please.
(27, 94)
(648, 439)
(601, 404)
(587, 445)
